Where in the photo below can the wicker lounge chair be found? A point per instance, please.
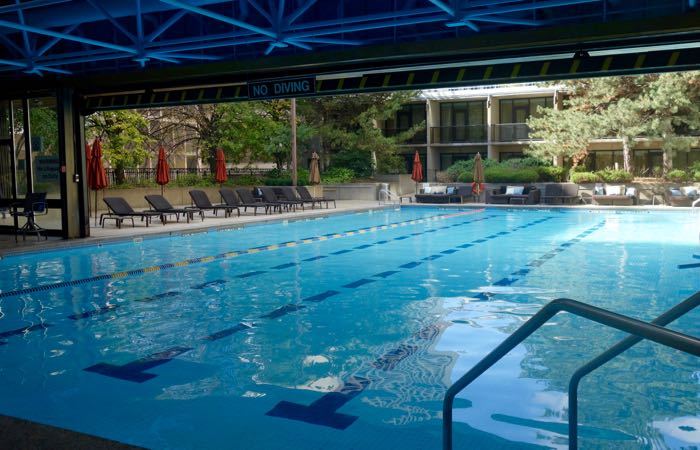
(681, 196)
(307, 197)
(246, 196)
(162, 205)
(555, 193)
(231, 198)
(201, 201)
(120, 210)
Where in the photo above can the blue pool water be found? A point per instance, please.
(344, 332)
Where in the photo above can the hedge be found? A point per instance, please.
(505, 175)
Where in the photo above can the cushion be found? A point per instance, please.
(438, 189)
(614, 190)
(427, 190)
(689, 191)
(450, 190)
(514, 190)
(631, 192)
(675, 192)
(598, 190)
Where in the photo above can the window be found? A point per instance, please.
(461, 122)
(447, 159)
(604, 159)
(647, 163)
(518, 110)
(683, 160)
(407, 117)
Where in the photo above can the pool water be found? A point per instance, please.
(344, 332)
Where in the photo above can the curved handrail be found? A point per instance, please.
(670, 338)
(695, 203)
(664, 319)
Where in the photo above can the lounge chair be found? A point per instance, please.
(201, 201)
(555, 193)
(120, 210)
(511, 195)
(269, 196)
(162, 205)
(290, 194)
(684, 196)
(444, 194)
(231, 198)
(614, 195)
(307, 197)
(247, 198)
(33, 204)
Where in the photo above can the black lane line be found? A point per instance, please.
(228, 332)
(94, 312)
(358, 283)
(135, 371)
(23, 330)
(250, 274)
(282, 311)
(285, 266)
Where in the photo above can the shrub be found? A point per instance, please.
(360, 162)
(507, 174)
(193, 180)
(551, 173)
(337, 175)
(615, 176)
(579, 168)
(524, 163)
(463, 170)
(246, 180)
(583, 177)
(696, 175)
(285, 178)
(677, 175)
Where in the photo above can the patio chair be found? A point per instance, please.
(269, 196)
(201, 201)
(247, 197)
(120, 210)
(676, 196)
(290, 195)
(232, 199)
(162, 205)
(306, 196)
(33, 205)
(561, 193)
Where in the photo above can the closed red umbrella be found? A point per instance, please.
(88, 163)
(97, 178)
(221, 176)
(162, 170)
(417, 174)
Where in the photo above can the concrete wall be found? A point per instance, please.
(356, 191)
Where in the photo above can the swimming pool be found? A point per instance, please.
(344, 332)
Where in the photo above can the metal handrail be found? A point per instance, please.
(695, 203)
(664, 319)
(653, 332)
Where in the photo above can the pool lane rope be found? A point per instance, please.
(234, 254)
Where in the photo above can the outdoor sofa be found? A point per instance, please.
(513, 195)
(559, 193)
(444, 194)
(615, 195)
(684, 196)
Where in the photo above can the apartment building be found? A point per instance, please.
(492, 120)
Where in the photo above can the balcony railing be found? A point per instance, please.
(510, 132)
(459, 134)
(418, 138)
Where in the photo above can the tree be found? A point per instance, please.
(627, 108)
(124, 138)
(348, 124)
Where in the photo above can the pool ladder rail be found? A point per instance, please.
(639, 330)
(389, 198)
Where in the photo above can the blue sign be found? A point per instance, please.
(290, 87)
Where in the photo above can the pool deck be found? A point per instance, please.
(110, 233)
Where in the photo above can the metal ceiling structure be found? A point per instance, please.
(214, 47)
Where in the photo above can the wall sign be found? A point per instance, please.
(287, 88)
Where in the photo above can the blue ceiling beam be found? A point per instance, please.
(25, 35)
(165, 25)
(12, 45)
(301, 10)
(220, 17)
(30, 68)
(370, 26)
(318, 40)
(512, 21)
(186, 56)
(261, 10)
(28, 5)
(46, 47)
(112, 20)
(368, 18)
(280, 11)
(68, 37)
(443, 6)
(526, 7)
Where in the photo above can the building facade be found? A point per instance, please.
(492, 120)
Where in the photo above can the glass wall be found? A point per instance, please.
(461, 122)
(683, 160)
(407, 117)
(44, 140)
(648, 163)
(604, 159)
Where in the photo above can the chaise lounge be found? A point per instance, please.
(307, 197)
(202, 202)
(120, 210)
(513, 195)
(684, 196)
(162, 205)
(232, 199)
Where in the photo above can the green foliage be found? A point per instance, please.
(284, 178)
(551, 173)
(523, 163)
(245, 180)
(614, 176)
(463, 170)
(507, 175)
(579, 169)
(583, 177)
(696, 175)
(44, 125)
(194, 180)
(677, 176)
(134, 184)
(337, 175)
(360, 162)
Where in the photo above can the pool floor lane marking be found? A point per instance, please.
(23, 330)
(135, 371)
(323, 411)
(233, 254)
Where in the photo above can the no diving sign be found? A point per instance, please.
(284, 88)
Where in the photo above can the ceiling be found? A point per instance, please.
(102, 44)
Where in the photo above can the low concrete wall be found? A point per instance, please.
(355, 191)
(400, 184)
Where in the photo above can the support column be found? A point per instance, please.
(432, 119)
(492, 111)
(71, 143)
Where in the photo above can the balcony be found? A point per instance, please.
(459, 134)
(510, 132)
(418, 138)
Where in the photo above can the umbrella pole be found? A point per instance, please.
(95, 208)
